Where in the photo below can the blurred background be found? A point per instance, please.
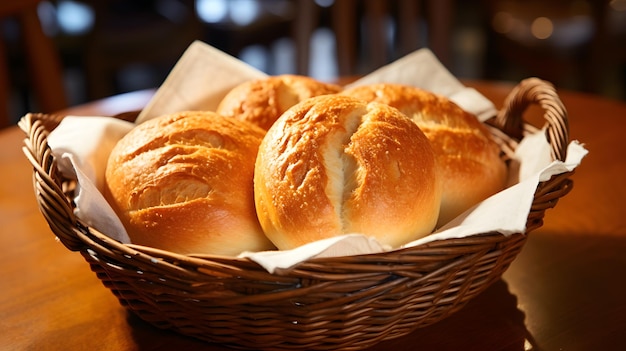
(58, 53)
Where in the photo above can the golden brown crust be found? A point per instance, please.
(183, 182)
(333, 165)
(468, 157)
(262, 101)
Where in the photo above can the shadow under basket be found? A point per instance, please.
(348, 303)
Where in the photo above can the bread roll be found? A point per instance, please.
(468, 157)
(183, 183)
(262, 101)
(333, 165)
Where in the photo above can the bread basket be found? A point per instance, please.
(348, 303)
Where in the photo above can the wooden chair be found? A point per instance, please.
(43, 61)
(127, 33)
(579, 64)
(363, 48)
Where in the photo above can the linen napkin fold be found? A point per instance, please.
(199, 80)
(82, 146)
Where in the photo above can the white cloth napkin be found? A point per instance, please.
(82, 144)
(198, 81)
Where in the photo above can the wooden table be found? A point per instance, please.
(565, 291)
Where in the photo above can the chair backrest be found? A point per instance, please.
(42, 59)
(361, 31)
(575, 47)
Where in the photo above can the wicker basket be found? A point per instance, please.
(345, 303)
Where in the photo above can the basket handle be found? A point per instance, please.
(536, 91)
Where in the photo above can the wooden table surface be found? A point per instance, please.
(565, 291)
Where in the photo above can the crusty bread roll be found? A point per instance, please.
(468, 157)
(262, 101)
(184, 183)
(333, 165)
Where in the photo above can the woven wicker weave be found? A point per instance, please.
(345, 303)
